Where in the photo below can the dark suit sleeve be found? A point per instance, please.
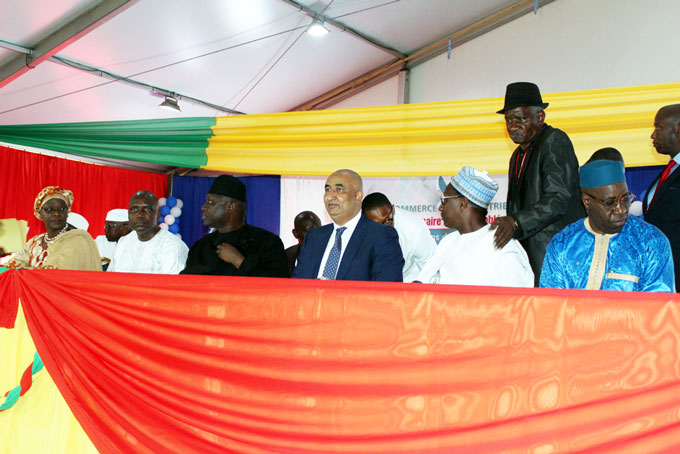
(193, 257)
(388, 260)
(268, 261)
(559, 177)
(305, 265)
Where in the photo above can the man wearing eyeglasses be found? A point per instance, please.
(468, 256)
(415, 239)
(608, 250)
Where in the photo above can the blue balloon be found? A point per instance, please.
(165, 210)
(176, 221)
(171, 202)
(174, 228)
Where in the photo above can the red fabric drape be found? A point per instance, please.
(9, 304)
(199, 364)
(96, 189)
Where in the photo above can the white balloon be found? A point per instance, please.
(162, 201)
(180, 204)
(163, 226)
(169, 219)
(636, 208)
(176, 212)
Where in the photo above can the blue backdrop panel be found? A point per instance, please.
(264, 203)
(639, 178)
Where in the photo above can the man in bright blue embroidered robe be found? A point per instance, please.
(608, 250)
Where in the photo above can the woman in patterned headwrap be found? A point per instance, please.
(63, 246)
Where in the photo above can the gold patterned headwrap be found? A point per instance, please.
(52, 192)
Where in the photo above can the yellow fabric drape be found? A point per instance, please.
(432, 138)
(40, 422)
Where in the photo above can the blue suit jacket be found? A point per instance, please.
(372, 254)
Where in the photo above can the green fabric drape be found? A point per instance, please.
(177, 142)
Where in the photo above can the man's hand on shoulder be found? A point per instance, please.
(230, 254)
(505, 227)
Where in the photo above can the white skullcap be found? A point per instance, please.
(77, 221)
(117, 215)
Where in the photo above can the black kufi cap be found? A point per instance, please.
(229, 186)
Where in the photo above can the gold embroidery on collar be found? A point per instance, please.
(599, 263)
(622, 277)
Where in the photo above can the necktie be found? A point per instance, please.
(662, 178)
(331, 268)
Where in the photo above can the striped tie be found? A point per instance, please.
(331, 268)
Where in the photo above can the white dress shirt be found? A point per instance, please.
(351, 226)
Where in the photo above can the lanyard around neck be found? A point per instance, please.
(518, 166)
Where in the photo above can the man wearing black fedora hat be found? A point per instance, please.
(543, 185)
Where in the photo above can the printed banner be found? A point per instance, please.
(419, 195)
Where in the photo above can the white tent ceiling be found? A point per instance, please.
(252, 56)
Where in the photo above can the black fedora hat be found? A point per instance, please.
(521, 94)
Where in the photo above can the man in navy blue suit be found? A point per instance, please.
(352, 248)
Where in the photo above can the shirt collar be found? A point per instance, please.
(351, 224)
(590, 229)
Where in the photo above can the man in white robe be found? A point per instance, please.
(417, 244)
(468, 256)
(117, 226)
(148, 248)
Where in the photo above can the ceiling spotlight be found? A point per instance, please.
(170, 103)
(317, 28)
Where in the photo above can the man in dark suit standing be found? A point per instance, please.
(543, 185)
(352, 248)
(661, 205)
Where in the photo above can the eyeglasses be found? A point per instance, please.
(443, 198)
(49, 210)
(612, 202)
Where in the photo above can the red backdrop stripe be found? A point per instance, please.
(96, 188)
(208, 364)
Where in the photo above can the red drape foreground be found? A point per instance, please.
(194, 364)
(96, 189)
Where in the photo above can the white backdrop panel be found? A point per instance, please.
(419, 195)
(569, 45)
